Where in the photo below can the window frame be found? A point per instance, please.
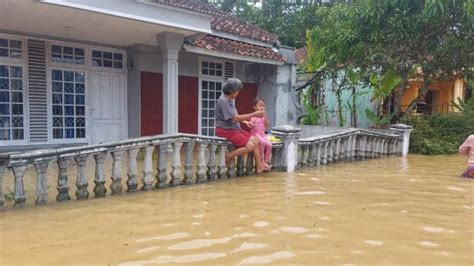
(26, 123)
(49, 79)
(203, 77)
(113, 52)
(19, 62)
(23, 48)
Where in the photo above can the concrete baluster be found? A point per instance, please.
(338, 149)
(249, 166)
(383, 149)
(359, 147)
(211, 163)
(330, 149)
(365, 147)
(132, 172)
(162, 167)
(379, 147)
(188, 164)
(313, 154)
(176, 175)
(231, 171)
(147, 177)
(19, 173)
(63, 183)
(306, 155)
(201, 176)
(355, 138)
(348, 149)
(116, 187)
(81, 177)
(41, 166)
(240, 166)
(318, 153)
(99, 178)
(221, 168)
(369, 148)
(324, 152)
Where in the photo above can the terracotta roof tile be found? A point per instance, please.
(222, 21)
(219, 44)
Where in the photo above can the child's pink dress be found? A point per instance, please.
(258, 130)
(467, 148)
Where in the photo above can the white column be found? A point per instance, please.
(170, 44)
(404, 131)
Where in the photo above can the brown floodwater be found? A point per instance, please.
(385, 211)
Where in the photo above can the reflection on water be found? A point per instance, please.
(387, 211)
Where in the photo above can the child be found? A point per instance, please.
(227, 124)
(258, 126)
(467, 148)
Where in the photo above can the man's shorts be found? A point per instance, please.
(238, 137)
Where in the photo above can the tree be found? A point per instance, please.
(399, 36)
(289, 20)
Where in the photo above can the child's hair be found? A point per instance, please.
(258, 99)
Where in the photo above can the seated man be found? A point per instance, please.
(227, 124)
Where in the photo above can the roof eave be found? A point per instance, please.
(198, 50)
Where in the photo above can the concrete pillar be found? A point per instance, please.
(170, 44)
(289, 135)
(404, 131)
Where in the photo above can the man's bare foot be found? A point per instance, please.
(260, 170)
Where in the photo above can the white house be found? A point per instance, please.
(76, 72)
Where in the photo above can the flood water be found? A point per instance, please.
(385, 211)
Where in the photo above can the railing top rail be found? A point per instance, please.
(351, 131)
(109, 146)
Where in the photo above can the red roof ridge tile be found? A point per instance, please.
(222, 21)
(216, 43)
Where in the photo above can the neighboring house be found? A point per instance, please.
(76, 72)
(438, 99)
(328, 100)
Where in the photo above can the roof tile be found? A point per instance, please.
(219, 44)
(222, 21)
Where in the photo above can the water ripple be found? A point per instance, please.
(200, 243)
(167, 237)
(176, 259)
(267, 258)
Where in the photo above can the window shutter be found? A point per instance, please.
(229, 70)
(37, 91)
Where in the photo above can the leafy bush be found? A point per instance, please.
(439, 133)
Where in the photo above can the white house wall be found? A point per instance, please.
(32, 102)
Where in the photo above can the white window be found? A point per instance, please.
(68, 92)
(67, 54)
(10, 48)
(210, 68)
(210, 92)
(212, 76)
(11, 103)
(107, 59)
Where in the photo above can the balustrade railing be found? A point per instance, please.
(353, 144)
(181, 159)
